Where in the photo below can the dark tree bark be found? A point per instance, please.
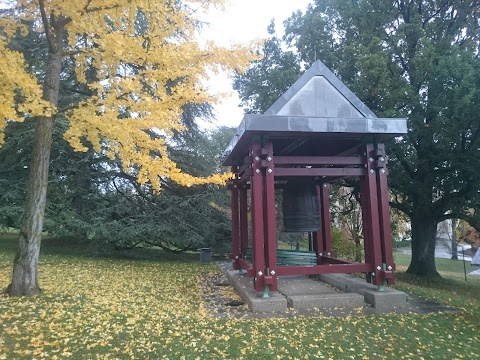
(25, 266)
(358, 248)
(424, 230)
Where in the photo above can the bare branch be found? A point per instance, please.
(46, 25)
(86, 9)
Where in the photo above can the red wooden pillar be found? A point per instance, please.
(366, 224)
(235, 255)
(270, 278)
(325, 214)
(257, 219)
(371, 217)
(243, 220)
(317, 235)
(384, 213)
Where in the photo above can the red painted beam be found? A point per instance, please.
(243, 193)
(244, 167)
(325, 214)
(319, 172)
(269, 215)
(387, 275)
(332, 260)
(245, 265)
(247, 162)
(245, 176)
(372, 218)
(318, 235)
(349, 152)
(257, 219)
(365, 223)
(384, 212)
(318, 160)
(235, 227)
(323, 269)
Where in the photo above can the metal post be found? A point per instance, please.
(464, 266)
(266, 292)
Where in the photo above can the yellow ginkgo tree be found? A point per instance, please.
(141, 63)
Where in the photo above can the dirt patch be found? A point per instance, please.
(220, 298)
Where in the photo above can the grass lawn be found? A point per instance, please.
(117, 308)
(444, 266)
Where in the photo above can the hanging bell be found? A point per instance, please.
(300, 207)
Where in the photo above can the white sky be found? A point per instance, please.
(243, 21)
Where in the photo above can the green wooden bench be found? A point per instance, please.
(291, 257)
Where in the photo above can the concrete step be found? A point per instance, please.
(276, 303)
(303, 293)
(388, 300)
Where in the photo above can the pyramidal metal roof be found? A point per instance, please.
(318, 92)
(318, 104)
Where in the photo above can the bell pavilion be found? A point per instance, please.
(316, 133)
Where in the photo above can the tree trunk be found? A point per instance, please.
(358, 248)
(25, 266)
(454, 240)
(424, 230)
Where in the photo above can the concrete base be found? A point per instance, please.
(388, 300)
(244, 286)
(303, 293)
(302, 285)
(328, 303)
(298, 292)
(342, 295)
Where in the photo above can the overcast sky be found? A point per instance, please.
(243, 21)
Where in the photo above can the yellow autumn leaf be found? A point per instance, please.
(144, 76)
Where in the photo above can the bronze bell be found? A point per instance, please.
(300, 207)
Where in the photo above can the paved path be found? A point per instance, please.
(476, 272)
(440, 253)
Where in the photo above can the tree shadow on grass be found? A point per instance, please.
(82, 248)
(453, 291)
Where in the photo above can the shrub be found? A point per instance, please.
(344, 247)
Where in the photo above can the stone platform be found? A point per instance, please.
(337, 294)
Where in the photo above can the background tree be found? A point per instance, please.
(468, 234)
(416, 59)
(140, 64)
(178, 218)
(92, 203)
(268, 77)
(347, 215)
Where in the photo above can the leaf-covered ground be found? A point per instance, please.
(112, 308)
